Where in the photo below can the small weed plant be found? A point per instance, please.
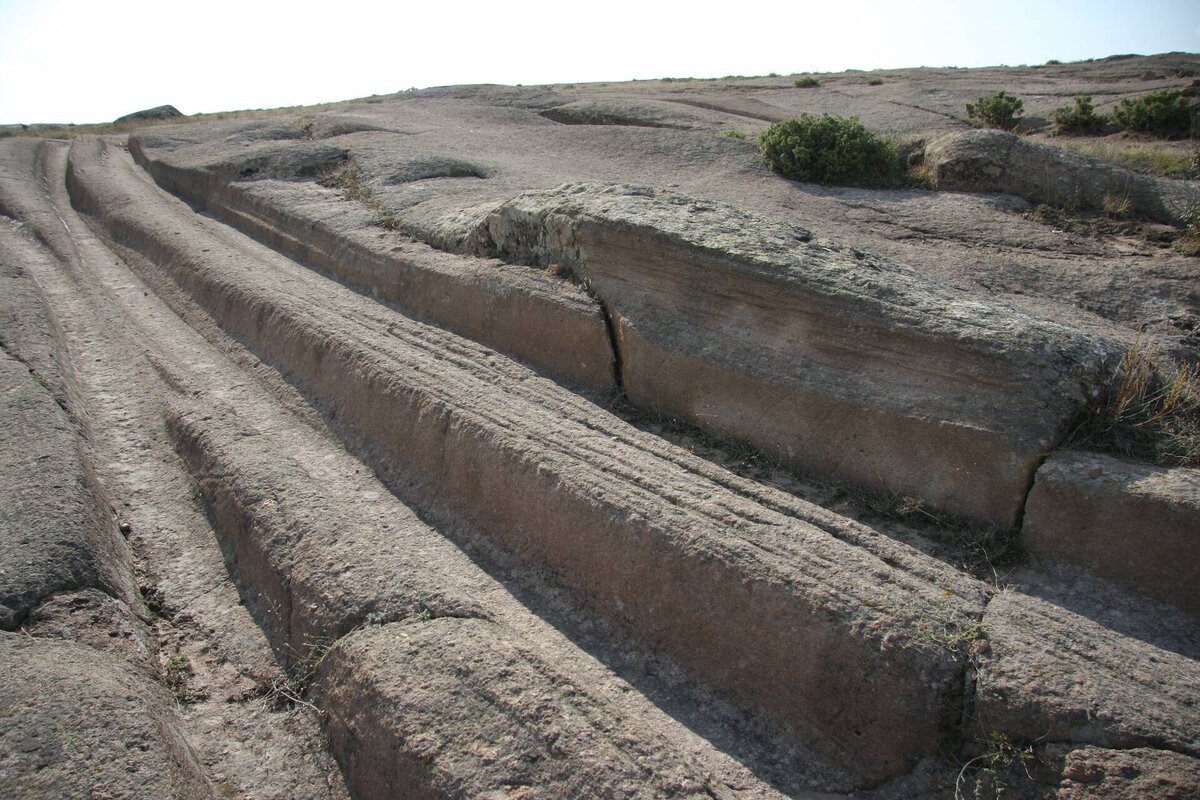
(989, 768)
(1164, 113)
(177, 675)
(1080, 118)
(1189, 239)
(830, 150)
(807, 82)
(1000, 110)
(347, 177)
(1116, 206)
(1149, 409)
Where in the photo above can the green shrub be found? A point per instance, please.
(807, 82)
(830, 150)
(999, 110)
(875, 82)
(1163, 113)
(1080, 118)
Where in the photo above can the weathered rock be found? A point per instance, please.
(548, 323)
(730, 588)
(156, 113)
(457, 708)
(77, 723)
(620, 112)
(994, 161)
(819, 354)
(57, 533)
(1051, 675)
(26, 330)
(97, 620)
(1134, 523)
(428, 687)
(1136, 774)
(677, 617)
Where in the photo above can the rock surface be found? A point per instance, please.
(1137, 524)
(398, 446)
(59, 533)
(1136, 774)
(820, 355)
(76, 723)
(994, 161)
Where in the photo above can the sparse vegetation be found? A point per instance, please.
(1000, 757)
(1189, 240)
(807, 82)
(920, 176)
(1000, 110)
(830, 150)
(1080, 118)
(347, 177)
(1164, 113)
(875, 82)
(177, 676)
(733, 134)
(1152, 158)
(1149, 408)
(1115, 207)
(944, 628)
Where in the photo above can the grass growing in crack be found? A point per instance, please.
(347, 177)
(940, 626)
(987, 770)
(292, 689)
(1149, 408)
(177, 676)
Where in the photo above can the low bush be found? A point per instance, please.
(999, 110)
(807, 82)
(1080, 118)
(830, 150)
(1164, 113)
(875, 82)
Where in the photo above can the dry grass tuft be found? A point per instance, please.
(1163, 159)
(1149, 409)
(349, 178)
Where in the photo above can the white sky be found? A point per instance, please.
(80, 62)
